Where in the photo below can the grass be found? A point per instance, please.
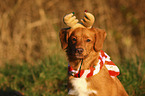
(49, 78)
(45, 79)
(133, 77)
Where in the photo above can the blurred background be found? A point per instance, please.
(29, 32)
(29, 28)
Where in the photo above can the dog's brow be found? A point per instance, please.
(82, 33)
(88, 35)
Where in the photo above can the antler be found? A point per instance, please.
(88, 20)
(71, 21)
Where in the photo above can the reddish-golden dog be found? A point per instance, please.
(84, 43)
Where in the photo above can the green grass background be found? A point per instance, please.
(46, 79)
(49, 77)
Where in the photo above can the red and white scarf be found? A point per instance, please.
(103, 59)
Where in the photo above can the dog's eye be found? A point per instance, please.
(88, 40)
(74, 39)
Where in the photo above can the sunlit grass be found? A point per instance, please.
(133, 77)
(45, 79)
(49, 78)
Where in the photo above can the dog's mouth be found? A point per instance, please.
(77, 56)
(80, 56)
(77, 53)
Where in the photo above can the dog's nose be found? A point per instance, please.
(79, 50)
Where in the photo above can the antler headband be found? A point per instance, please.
(72, 22)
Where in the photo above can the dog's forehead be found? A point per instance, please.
(83, 32)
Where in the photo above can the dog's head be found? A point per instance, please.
(80, 42)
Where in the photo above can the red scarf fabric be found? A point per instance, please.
(103, 59)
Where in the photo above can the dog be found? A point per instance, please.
(90, 70)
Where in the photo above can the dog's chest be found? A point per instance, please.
(80, 87)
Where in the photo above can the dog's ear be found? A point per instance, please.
(63, 35)
(100, 36)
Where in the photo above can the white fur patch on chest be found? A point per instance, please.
(80, 87)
